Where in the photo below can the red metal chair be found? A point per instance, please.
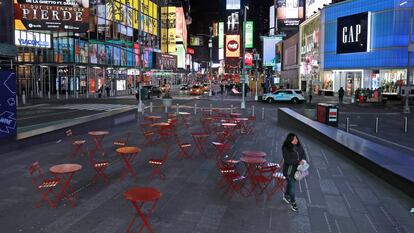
(235, 182)
(43, 186)
(123, 142)
(279, 179)
(99, 167)
(221, 149)
(184, 148)
(157, 164)
(77, 145)
(263, 178)
(147, 132)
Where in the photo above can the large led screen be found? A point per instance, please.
(57, 15)
(289, 12)
(269, 50)
(312, 6)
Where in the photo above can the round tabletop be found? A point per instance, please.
(252, 160)
(128, 150)
(98, 133)
(242, 119)
(65, 168)
(160, 124)
(229, 124)
(142, 194)
(253, 153)
(235, 114)
(184, 113)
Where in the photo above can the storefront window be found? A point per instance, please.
(327, 81)
(391, 79)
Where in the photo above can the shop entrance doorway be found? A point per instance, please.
(353, 82)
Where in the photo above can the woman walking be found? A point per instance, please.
(293, 156)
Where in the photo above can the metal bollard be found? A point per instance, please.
(48, 94)
(166, 109)
(177, 109)
(253, 111)
(87, 95)
(23, 98)
(151, 107)
(376, 124)
(231, 109)
(57, 95)
(211, 109)
(67, 95)
(17, 101)
(262, 113)
(195, 109)
(405, 124)
(347, 124)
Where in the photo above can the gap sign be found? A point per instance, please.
(7, 103)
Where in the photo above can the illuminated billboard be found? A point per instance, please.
(248, 33)
(313, 5)
(57, 15)
(232, 4)
(181, 26)
(232, 45)
(221, 35)
(168, 29)
(289, 12)
(269, 50)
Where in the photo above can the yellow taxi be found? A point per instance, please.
(196, 90)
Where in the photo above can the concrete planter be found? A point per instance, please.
(167, 102)
(310, 113)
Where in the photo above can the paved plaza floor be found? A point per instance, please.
(338, 196)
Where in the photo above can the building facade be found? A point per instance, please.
(290, 64)
(364, 45)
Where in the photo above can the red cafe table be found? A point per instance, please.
(138, 197)
(228, 131)
(128, 155)
(185, 118)
(65, 172)
(98, 137)
(242, 124)
(254, 153)
(153, 119)
(252, 164)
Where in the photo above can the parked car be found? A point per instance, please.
(196, 90)
(287, 95)
(152, 91)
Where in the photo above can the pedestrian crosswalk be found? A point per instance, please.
(92, 107)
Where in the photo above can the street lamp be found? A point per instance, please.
(256, 58)
(210, 45)
(140, 68)
(409, 49)
(243, 103)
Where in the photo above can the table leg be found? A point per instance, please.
(63, 192)
(144, 217)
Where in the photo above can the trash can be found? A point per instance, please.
(327, 114)
(144, 93)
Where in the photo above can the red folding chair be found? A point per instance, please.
(184, 148)
(43, 186)
(77, 145)
(235, 182)
(263, 178)
(123, 142)
(279, 179)
(221, 149)
(157, 164)
(99, 167)
(147, 132)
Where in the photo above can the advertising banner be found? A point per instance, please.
(171, 29)
(7, 103)
(232, 45)
(164, 29)
(196, 41)
(181, 27)
(32, 39)
(353, 33)
(221, 35)
(313, 6)
(248, 59)
(248, 33)
(57, 15)
(269, 50)
(165, 61)
(289, 12)
(180, 56)
(232, 4)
